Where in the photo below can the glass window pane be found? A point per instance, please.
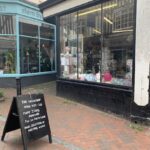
(29, 55)
(89, 43)
(29, 28)
(46, 31)
(117, 54)
(97, 43)
(47, 60)
(68, 44)
(7, 54)
(7, 24)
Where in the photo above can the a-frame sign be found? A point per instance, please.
(28, 113)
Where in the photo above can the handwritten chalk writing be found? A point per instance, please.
(27, 106)
(26, 113)
(35, 110)
(35, 100)
(33, 115)
(27, 121)
(37, 123)
(27, 127)
(24, 102)
(33, 129)
(31, 120)
(40, 104)
(40, 118)
(34, 105)
(42, 126)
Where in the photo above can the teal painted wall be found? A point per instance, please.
(22, 9)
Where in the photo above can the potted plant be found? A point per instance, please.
(1, 96)
(10, 62)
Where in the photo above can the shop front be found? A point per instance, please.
(27, 44)
(101, 53)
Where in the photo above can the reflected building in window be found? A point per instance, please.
(100, 41)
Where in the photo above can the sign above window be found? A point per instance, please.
(21, 8)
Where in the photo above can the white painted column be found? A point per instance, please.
(142, 54)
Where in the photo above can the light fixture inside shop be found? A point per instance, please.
(98, 9)
(108, 20)
(97, 31)
(118, 31)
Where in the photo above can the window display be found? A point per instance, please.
(7, 54)
(117, 51)
(29, 54)
(97, 43)
(68, 42)
(37, 47)
(7, 44)
(47, 55)
(27, 42)
(28, 28)
(46, 31)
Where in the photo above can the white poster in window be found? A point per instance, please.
(63, 62)
(1, 71)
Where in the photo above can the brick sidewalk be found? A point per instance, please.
(76, 127)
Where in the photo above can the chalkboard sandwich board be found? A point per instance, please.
(28, 112)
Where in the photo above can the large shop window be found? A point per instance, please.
(7, 55)
(29, 54)
(47, 60)
(68, 42)
(37, 47)
(7, 44)
(97, 43)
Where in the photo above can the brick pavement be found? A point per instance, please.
(76, 127)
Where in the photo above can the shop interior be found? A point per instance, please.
(97, 43)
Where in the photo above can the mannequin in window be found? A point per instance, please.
(67, 61)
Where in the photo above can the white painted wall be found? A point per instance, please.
(142, 59)
(63, 6)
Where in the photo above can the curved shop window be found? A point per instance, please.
(37, 47)
(97, 43)
(7, 44)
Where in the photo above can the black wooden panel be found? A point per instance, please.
(109, 99)
(27, 81)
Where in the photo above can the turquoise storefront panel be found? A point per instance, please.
(22, 10)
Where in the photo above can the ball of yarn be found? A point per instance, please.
(107, 76)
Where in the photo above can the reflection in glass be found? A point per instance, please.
(117, 51)
(68, 43)
(99, 40)
(29, 54)
(7, 54)
(28, 28)
(46, 31)
(47, 55)
(89, 45)
(37, 47)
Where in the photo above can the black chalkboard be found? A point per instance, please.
(28, 112)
